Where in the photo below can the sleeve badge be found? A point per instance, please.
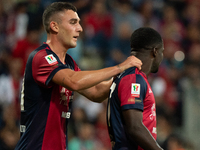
(135, 90)
(51, 59)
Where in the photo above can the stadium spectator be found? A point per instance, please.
(98, 25)
(17, 24)
(119, 45)
(25, 46)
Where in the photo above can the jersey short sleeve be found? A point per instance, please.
(132, 91)
(44, 67)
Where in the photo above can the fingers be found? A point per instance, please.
(131, 61)
(139, 67)
(136, 62)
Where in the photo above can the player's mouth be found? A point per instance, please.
(75, 37)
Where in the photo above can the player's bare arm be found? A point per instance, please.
(136, 130)
(98, 93)
(79, 80)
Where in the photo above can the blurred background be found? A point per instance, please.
(104, 42)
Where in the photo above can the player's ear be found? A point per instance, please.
(155, 51)
(54, 26)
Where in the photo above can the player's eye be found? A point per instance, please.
(73, 21)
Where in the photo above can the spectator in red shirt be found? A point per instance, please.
(25, 46)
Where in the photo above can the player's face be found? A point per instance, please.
(69, 28)
(158, 59)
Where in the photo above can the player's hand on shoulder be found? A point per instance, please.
(135, 62)
(131, 61)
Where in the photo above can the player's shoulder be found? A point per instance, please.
(42, 54)
(132, 74)
(41, 50)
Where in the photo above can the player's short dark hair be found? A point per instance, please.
(54, 8)
(145, 38)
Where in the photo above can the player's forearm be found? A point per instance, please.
(85, 79)
(79, 80)
(98, 93)
(143, 138)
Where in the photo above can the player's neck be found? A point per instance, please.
(146, 66)
(146, 61)
(58, 49)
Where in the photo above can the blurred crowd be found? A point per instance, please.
(104, 42)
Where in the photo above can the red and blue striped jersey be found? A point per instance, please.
(130, 90)
(45, 106)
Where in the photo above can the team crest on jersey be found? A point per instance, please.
(51, 59)
(135, 90)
